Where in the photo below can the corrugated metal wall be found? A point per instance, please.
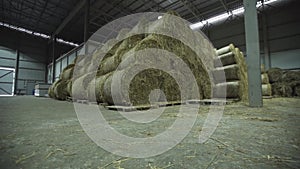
(33, 57)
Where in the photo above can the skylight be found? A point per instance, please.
(20, 29)
(224, 16)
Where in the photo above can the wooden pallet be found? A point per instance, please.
(209, 102)
(70, 99)
(130, 108)
(166, 104)
(83, 101)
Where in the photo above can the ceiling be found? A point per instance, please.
(66, 17)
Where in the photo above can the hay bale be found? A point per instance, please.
(235, 69)
(232, 73)
(60, 90)
(232, 89)
(69, 88)
(122, 34)
(140, 87)
(264, 78)
(291, 76)
(225, 49)
(109, 64)
(185, 53)
(67, 72)
(112, 53)
(95, 88)
(51, 89)
(80, 86)
(282, 89)
(225, 59)
(266, 90)
(297, 90)
(262, 68)
(243, 91)
(275, 75)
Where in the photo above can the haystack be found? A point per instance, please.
(231, 62)
(111, 62)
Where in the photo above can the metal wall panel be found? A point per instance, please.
(64, 63)
(286, 59)
(57, 69)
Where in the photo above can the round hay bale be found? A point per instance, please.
(122, 34)
(67, 72)
(51, 89)
(264, 78)
(95, 88)
(69, 88)
(282, 89)
(275, 75)
(291, 76)
(297, 90)
(225, 49)
(262, 68)
(80, 85)
(266, 90)
(60, 90)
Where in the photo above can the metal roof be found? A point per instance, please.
(66, 17)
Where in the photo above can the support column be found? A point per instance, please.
(86, 25)
(253, 54)
(16, 71)
(86, 20)
(53, 58)
(266, 43)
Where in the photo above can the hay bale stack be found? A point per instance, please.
(51, 89)
(297, 90)
(265, 82)
(284, 83)
(266, 89)
(60, 90)
(80, 86)
(265, 78)
(111, 61)
(275, 75)
(231, 61)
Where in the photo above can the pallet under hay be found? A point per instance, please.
(83, 101)
(130, 108)
(166, 104)
(70, 99)
(210, 102)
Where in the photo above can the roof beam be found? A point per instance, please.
(71, 15)
(224, 5)
(189, 6)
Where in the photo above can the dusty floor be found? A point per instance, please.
(45, 133)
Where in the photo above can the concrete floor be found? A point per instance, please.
(45, 133)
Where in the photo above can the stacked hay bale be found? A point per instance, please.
(94, 74)
(265, 84)
(62, 88)
(285, 83)
(232, 62)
